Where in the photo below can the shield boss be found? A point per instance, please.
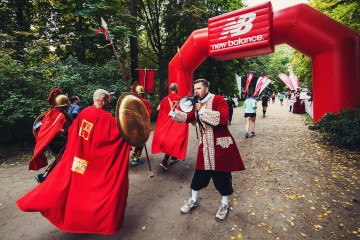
(132, 119)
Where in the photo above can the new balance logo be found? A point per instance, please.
(238, 27)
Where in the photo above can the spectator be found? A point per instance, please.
(231, 105)
(74, 109)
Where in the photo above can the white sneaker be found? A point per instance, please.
(188, 206)
(223, 211)
(173, 160)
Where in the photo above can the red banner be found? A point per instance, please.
(146, 79)
(241, 33)
(247, 83)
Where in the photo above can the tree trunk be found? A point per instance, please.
(134, 48)
(22, 21)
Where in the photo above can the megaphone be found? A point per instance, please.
(186, 104)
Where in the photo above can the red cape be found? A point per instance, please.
(147, 105)
(50, 126)
(95, 201)
(169, 136)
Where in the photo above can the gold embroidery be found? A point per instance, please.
(79, 165)
(208, 143)
(180, 117)
(85, 129)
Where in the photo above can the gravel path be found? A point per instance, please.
(295, 187)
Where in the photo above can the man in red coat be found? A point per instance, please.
(135, 157)
(169, 136)
(87, 191)
(218, 154)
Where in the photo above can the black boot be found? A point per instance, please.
(40, 178)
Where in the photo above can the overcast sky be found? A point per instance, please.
(277, 4)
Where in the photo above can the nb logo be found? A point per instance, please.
(238, 27)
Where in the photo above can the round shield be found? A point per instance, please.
(132, 119)
(38, 122)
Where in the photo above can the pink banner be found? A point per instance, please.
(264, 86)
(285, 78)
(247, 83)
(260, 84)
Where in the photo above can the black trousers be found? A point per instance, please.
(230, 115)
(222, 181)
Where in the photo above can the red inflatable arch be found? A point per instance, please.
(333, 48)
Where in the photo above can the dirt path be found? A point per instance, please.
(294, 188)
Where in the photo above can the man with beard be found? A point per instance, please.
(218, 154)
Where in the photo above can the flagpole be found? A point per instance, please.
(108, 37)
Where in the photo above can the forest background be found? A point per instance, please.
(48, 43)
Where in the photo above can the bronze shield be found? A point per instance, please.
(132, 119)
(64, 130)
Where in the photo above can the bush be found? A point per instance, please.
(342, 129)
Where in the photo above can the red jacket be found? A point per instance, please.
(217, 149)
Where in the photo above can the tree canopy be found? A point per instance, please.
(46, 44)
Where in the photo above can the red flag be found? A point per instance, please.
(104, 30)
(146, 79)
(248, 80)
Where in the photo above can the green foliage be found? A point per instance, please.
(24, 90)
(346, 12)
(342, 129)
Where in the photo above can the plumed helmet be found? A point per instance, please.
(139, 89)
(61, 101)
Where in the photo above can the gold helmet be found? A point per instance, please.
(62, 101)
(139, 89)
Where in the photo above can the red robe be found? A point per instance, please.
(217, 149)
(87, 191)
(147, 105)
(50, 126)
(169, 136)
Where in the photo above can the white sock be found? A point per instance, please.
(194, 195)
(225, 200)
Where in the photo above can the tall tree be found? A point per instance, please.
(134, 47)
(150, 11)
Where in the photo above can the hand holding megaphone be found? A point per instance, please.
(197, 106)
